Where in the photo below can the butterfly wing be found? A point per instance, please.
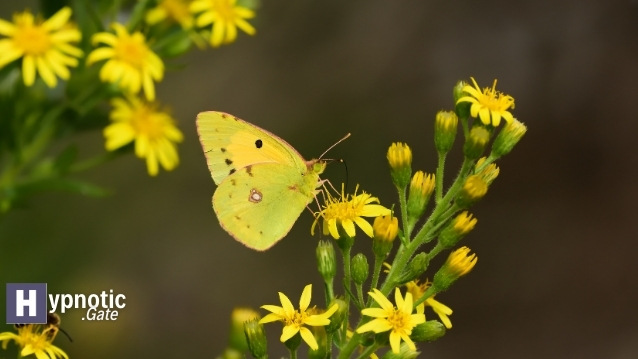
(259, 204)
(231, 144)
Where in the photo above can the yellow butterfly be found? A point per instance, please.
(263, 182)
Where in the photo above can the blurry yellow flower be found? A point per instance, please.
(153, 131)
(398, 320)
(348, 211)
(488, 104)
(131, 63)
(174, 10)
(225, 16)
(44, 46)
(35, 339)
(294, 320)
(418, 289)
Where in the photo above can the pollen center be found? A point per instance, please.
(397, 319)
(33, 40)
(130, 51)
(224, 10)
(145, 124)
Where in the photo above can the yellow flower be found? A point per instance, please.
(44, 46)
(175, 10)
(443, 311)
(35, 339)
(399, 320)
(294, 320)
(348, 211)
(153, 131)
(458, 264)
(225, 16)
(131, 63)
(489, 105)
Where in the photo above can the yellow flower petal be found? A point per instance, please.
(307, 336)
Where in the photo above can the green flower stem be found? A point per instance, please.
(439, 178)
(293, 353)
(350, 346)
(95, 161)
(360, 294)
(369, 350)
(466, 129)
(329, 290)
(376, 272)
(445, 202)
(34, 149)
(403, 203)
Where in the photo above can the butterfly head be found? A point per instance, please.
(316, 166)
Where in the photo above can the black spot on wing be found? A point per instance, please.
(232, 170)
(223, 149)
(249, 170)
(229, 161)
(233, 182)
(259, 143)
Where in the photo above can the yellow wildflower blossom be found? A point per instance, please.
(398, 320)
(131, 63)
(347, 211)
(45, 47)
(153, 131)
(488, 104)
(225, 16)
(174, 10)
(294, 320)
(36, 339)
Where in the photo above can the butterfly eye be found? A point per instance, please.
(258, 143)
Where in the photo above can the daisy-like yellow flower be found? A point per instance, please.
(35, 339)
(153, 131)
(398, 320)
(225, 16)
(347, 211)
(174, 10)
(131, 63)
(443, 311)
(45, 47)
(294, 320)
(488, 104)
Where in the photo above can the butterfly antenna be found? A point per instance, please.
(336, 143)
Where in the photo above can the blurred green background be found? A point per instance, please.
(556, 235)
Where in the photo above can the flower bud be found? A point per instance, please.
(359, 268)
(256, 338)
(445, 124)
(487, 173)
(476, 142)
(404, 353)
(473, 190)
(326, 260)
(239, 316)
(428, 331)
(508, 138)
(460, 226)
(414, 269)
(400, 160)
(385, 230)
(421, 187)
(458, 264)
(336, 320)
(321, 352)
(462, 109)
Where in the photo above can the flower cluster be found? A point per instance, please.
(401, 324)
(63, 71)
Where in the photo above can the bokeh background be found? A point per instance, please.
(557, 233)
